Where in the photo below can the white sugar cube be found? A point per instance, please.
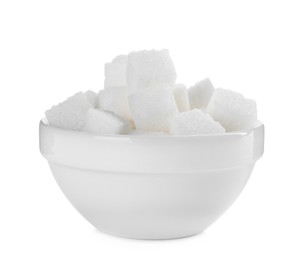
(115, 99)
(115, 72)
(195, 122)
(69, 114)
(200, 94)
(180, 94)
(151, 68)
(153, 109)
(91, 97)
(105, 123)
(232, 110)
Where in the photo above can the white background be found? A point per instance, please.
(52, 49)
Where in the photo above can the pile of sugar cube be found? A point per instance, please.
(141, 97)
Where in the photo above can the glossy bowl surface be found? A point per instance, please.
(151, 187)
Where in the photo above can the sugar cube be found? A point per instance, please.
(195, 122)
(232, 110)
(180, 93)
(91, 97)
(200, 94)
(69, 114)
(115, 99)
(105, 123)
(115, 72)
(153, 109)
(151, 68)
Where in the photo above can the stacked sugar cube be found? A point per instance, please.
(141, 97)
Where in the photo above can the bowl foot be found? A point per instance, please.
(148, 238)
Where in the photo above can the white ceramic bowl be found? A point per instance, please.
(151, 187)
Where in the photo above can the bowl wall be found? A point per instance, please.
(151, 206)
(151, 187)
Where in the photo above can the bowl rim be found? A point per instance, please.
(163, 154)
(44, 123)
